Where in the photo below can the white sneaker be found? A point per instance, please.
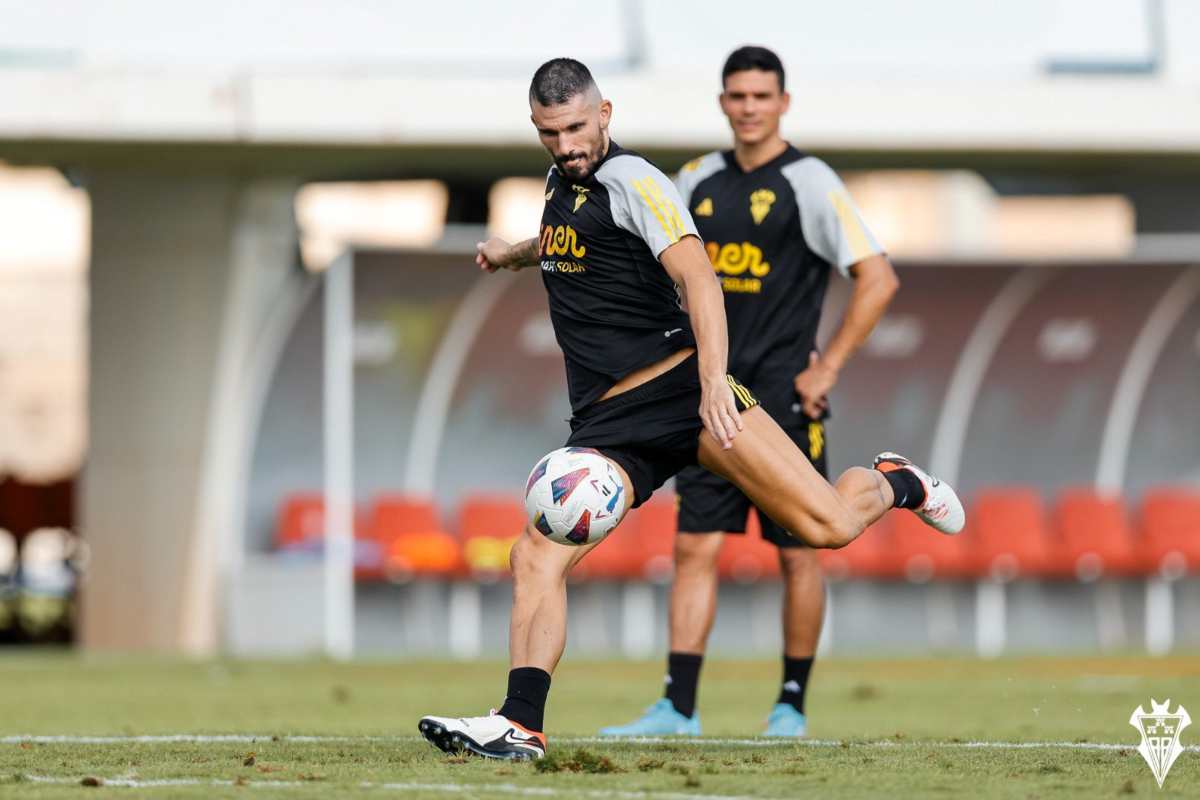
(942, 509)
(492, 736)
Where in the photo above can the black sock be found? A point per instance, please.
(526, 700)
(795, 681)
(907, 488)
(683, 674)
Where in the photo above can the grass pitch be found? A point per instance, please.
(72, 727)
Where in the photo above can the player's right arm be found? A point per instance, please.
(496, 254)
(644, 202)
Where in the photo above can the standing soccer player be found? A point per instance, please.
(775, 223)
(648, 386)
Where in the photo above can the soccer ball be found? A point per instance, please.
(574, 496)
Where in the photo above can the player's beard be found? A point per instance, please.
(586, 168)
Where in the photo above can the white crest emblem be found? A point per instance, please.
(1160, 731)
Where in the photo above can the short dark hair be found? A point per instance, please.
(753, 57)
(558, 80)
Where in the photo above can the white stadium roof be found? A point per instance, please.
(927, 75)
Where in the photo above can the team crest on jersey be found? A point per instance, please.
(581, 196)
(705, 209)
(760, 204)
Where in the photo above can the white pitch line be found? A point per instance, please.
(238, 738)
(876, 743)
(154, 783)
(405, 786)
(69, 739)
(545, 791)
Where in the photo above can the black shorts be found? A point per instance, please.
(709, 503)
(652, 430)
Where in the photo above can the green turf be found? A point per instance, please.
(901, 727)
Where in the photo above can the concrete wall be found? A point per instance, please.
(184, 277)
(416, 620)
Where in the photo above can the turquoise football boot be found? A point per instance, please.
(786, 721)
(660, 719)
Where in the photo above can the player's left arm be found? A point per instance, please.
(834, 228)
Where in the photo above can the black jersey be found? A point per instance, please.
(613, 306)
(773, 234)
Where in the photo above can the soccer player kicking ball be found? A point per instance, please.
(775, 223)
(648, 388)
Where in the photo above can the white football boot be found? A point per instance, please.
(492, 736)
(942, 509)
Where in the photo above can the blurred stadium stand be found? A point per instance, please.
(40, 561)
(1037, 417)
(1035, 422)
(1011, 541)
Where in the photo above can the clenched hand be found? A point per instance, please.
(493, 255)
(814, 384)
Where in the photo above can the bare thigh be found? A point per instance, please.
(776, 475)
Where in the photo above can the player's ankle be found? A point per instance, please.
(906, 487)
(683, 676)
(525, 703)
(795, 681)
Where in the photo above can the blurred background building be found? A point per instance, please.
(176, 182)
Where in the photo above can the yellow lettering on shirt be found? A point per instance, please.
(561, 240)
(736, 258)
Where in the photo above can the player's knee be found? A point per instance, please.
(529, 555)
(697, 552)
(843, 530)
(518, 554)
(798, 562)
(535, 559)
(831, 531)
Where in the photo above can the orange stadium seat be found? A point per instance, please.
(871, 555)
(1170, 530)
(1008, 536)
(300, 524)
(747, 558)
(655, 546)
(301, 519)
(487, 527)
(641, 548)
(617, 558)
(1093, 536)
(423, 553)
(919, 553)
(410, 540)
